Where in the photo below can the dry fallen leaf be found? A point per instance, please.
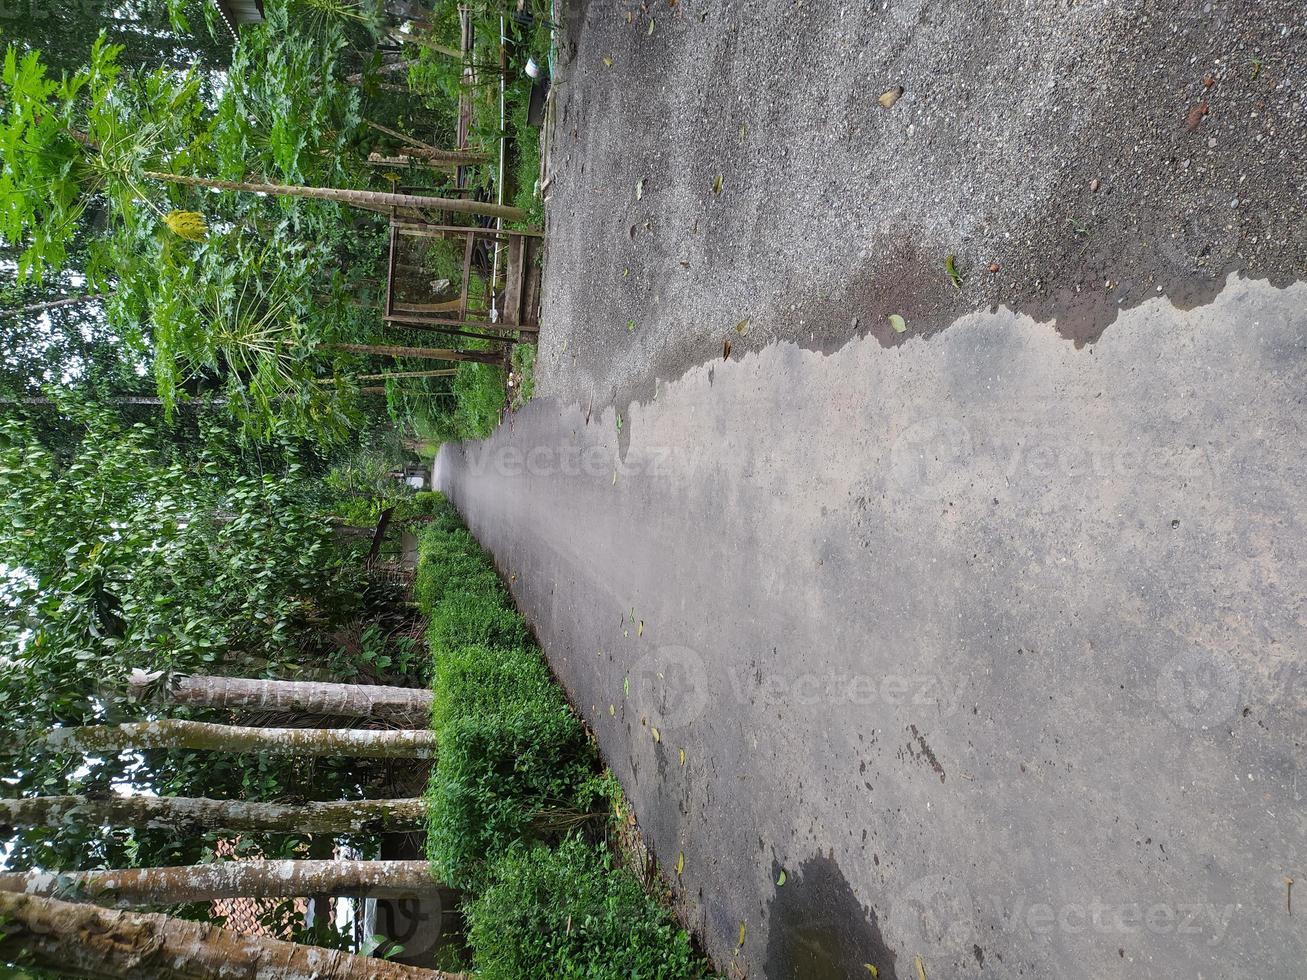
(640, 631)
(726, 349)
(612, 709)
(651, 27)
(889, 98)
(657, 736)
(682, 758)
(921, 969)
(680, 863)
(608, 62)
(742, 327)
(1195, 117)
(639, 189)
(741, 942)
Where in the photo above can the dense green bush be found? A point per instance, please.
(566, 912)
(517, 775)
(502, 777)
(448, 557)
(464, 618)
(478, 680)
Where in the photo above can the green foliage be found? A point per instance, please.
(511, 751)
(448, 559)
(567, 912)
(475, 615)
(479, 393)
(500, 777)
(120, 548)
(517, 775)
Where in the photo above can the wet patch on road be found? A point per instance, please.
(819, 930)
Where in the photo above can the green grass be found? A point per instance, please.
(519, 804)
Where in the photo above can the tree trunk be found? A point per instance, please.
(418, 148)
(121, 400)
(442, 373)
(174, 734)
(134, 887)
(99, 944)
(341, 195)
(408, 707)
(56, 304)
(424, 42)
(387, 69)
(449, 156)
(429, 353)
(404, 163)
(186, 815)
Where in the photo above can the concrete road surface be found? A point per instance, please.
(992, 645)
(988, 634)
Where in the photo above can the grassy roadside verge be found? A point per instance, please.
(520, 809)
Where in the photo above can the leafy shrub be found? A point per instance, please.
(464, 618)
(566, 912)
(476, 680)
(516, 771)
(430, 502)
(502, 777)
(447, 557)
